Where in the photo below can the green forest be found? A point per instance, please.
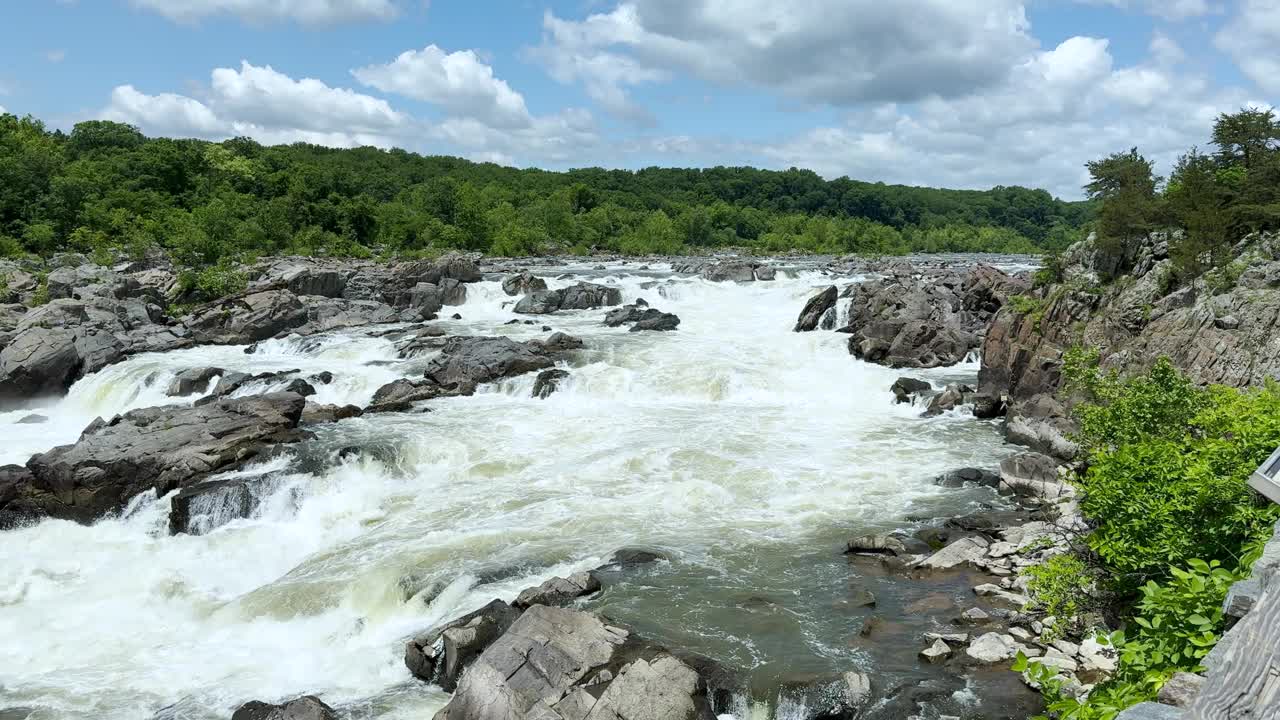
(104, 188)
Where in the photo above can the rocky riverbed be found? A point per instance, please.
(273, 495)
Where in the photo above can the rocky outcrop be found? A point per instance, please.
(582, 296)
(924, 321)
(1215, 332)
(558, 663)
(400, 395)
(559, 590)
(815, 308)
(736, 271)
(160, 448)
(523, 283)
(441, 654)
(642, 317)
(254, 316)
(54, 345)
(470, 361)
(906, 391)
(548, 381)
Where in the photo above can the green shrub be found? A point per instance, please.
(1063, 587)
(211, 283)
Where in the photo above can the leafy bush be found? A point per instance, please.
(211, 283)
(1063, 587)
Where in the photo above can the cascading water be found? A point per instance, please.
(748, 453)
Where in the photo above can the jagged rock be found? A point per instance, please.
(556, 343)
(949, 399)
(308, 707)
(158, 448)
(816, 308)
(523, 284)
(926, 321)
(938, 652)
(905, 390)
(1032, 474)
(582, 296)
(973, 616)
(400, 395)
(965, 550)
(992, 648)
(323, 377)
(316, 414)
(734, 270)
(255, 316)
(1181, 689)
(987, 406)
(559, 590)
(974, 476)
(547, 382)
(1227, 322)
(877, 544)
(194, 380)
(643, 317)
(441, 654)
(765, 273)
(825, 697)
(470, 361)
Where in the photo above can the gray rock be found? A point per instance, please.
(32, 419)
(308, 707)
(548, 381)
(877, 544)
(987, 406)
(968, 476)
(906, 390)
(765, 273)
(1227, 322)
(441, 654)
(1181, 689)
(192, 381)
(730, 270)
(469, 361)
(159, 448)
(1151, 711)
(949, 399)
(815, 309)
(1032, 474)
(643, 317)
(400, 395)
(582, 296)
(967, 550)
(559, 590)
(992, 648)
(523, 284)
(938, 652)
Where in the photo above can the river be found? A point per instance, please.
(745, 452)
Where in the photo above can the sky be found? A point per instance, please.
(947, 93)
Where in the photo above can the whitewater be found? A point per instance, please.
(744, 452)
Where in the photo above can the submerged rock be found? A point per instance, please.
(559, 590)
(907, 390)
(548, 381)
(308, 707)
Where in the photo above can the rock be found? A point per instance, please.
(160, 448)
(998, 594)
(815, 308)
(247, 318)
(1151, 711)
(992, 648)
(1181, 689)
(301, 387)
(949, 399)
(731, 270)
(582, 296)
(926, 320)
(877, 544)
(987, 406)
(548, 381)
(949, 638)
(470, 361)
(316, 414)
(905, 390)
(1228, 322)
(970, 476)
(1059, 661)
(765, 273)
(308, 707)
(664, 687)
(556, 343)
(523, 284)
(824, 697)
(204, 506)
(32, 419)
(194, 380)
(533, 665)
(1031, 474)
(441, 654)
(938, 652)
(973, 616)
(559, 590)
(1097, 661)
(643, 317)
(630, 557)
(400, 395)
(962, 551)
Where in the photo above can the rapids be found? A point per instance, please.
(746, 452)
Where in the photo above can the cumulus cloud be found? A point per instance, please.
(459, 82)
(1173, 10)
(835, 52)
(1057, 109)
(1252, 38)
(564, 138)
(307, 12)
(265, 104)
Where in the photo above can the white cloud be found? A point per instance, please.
(307, 12)
(1165, 50)
(264, 104)
(1252, 38)
(1172, 10)
(566, 137)
(55, 56)
(459, 82)
(1057, 109)
(836, 52)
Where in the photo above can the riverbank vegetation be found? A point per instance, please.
(1174, 524)
(104, 188)
(1211, 199)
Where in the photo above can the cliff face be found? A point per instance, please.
(1222, 328)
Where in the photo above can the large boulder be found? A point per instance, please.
(559, 590)
(555, 663)
(642, 317)
(470, 361)
(925, 320)
(254, 316)
(730, 271)
(523, 284)
(308, 707)
(158, 448)
(441, 654)
(582, 296)
(816, 308)
(548, 381)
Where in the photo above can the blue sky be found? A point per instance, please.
(958, 93)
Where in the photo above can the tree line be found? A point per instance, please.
(1213, 199)
(104, 187)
